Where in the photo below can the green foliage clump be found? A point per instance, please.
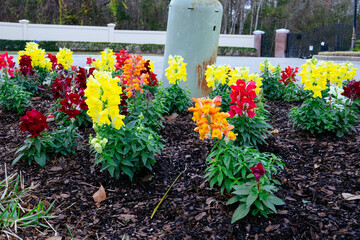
(14, 97)
(176, 99)
(229, 166)
(127, 150)
(318, 116)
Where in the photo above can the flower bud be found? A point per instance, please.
(98, 148)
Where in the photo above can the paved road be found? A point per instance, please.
(252, 62)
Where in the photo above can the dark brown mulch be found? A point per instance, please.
(319, 168)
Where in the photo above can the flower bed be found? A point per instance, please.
(319, 168)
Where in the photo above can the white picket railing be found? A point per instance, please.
(51, 32)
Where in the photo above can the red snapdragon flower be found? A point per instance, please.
(25, 66)
(121, 57)
(72, 105)
(153, 81)
(61, 86)
(90, 60)
(258, 171)
(34, 122)
(243, 95)
(81, 75)
(288, 75)
(53, 60)
(352, 90)
(123, 104)
(7, 64)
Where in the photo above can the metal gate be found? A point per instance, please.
(267, 45)
(336, 37)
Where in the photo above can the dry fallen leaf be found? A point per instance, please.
(200, 216)
(99, 196)
(350, 197)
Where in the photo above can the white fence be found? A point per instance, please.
(50, 32)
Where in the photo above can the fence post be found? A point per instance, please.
(281, 42)
(257, 41)
(111, 27)
(24, 24)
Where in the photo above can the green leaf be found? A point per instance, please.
(17, 158)
(128, 172)
(269, 204)
(240, 213)
(212, 182)
(220, 178)
(275, 200)
(259, 205)
(127, 162)
(241, 190)
(232, 200)
(144, 157)
(251, 198)
(37, 145)
(41, 159)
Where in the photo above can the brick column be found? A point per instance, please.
(24, 24)
(257, 41)
(280, 42)
(111, 27)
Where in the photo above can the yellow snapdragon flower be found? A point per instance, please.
(37, 55)
(216, 74)
(317, 75)
(176, 70)
(106, 61)
(65, 57)
(103, 99)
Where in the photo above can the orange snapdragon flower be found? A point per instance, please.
(210, 121)
(132, 76)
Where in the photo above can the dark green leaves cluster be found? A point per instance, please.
(151, 107)
(229, 166)
(129, 149)
(261, 199)
(63, 140)
(176, 99)
(13, 97)
(251, 131)
(317, 116)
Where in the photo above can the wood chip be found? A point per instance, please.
(350, 197)
(200, 216)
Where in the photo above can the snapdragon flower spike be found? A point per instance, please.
(26, 68)
(90, 60)
(258, 171)
(352, 90)
(288, 75)
(7, 64)
(210, 121)
(53, 60)
(148, 69)
(72, 105)
(81, 75)
(132, 76)
(121, 57)
(243, 96)
(34, 122)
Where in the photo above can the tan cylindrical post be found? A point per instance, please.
(281, 42)
(257, 41)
